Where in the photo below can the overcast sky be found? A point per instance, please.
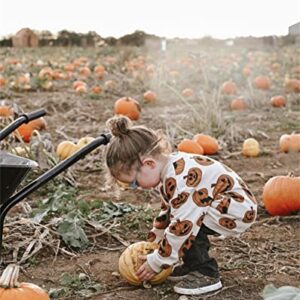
(169, 18)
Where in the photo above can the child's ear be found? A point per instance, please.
(150, 162)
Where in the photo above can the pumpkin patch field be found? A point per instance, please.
(237, 104)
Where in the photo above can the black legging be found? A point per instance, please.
(197, 257)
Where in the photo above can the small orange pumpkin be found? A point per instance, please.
(38, 124)
(25, 131)
(149, 97)
(262, 82)
(290, 142)
(247, 71)
(281, 195)
(2, 81)
(292, 85)
(190, 146)
(238, 104)
(11, 289)
(45, 73)
(229, 88)
(96, 89)
(81, 89)
(129, 107)
(208, 143)
(6, 111)
(78, 83)
(85, 72)
(129, 263)
(278, 101)
(187, 92)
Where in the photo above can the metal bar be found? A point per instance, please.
(24, 118)
(50, 174)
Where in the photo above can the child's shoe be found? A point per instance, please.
(196, 283)
(180, 272)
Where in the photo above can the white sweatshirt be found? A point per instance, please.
(196, 189)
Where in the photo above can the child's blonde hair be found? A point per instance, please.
(129, 143)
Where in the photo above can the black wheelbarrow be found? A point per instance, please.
(13, 168)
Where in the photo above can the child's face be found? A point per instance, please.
(146, 176)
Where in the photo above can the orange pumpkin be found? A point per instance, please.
(290, 142)
(25, 131)
(187, 92)
(2, 81)
(11, 289)
(129, 107)
(278, 101)
(129, 263)
(38, 124)
(81, 89)
(85, 72)
(96, 89)
(78, 83)
(6, 111)
(247, 71)
(99, 71)
(149, 97)
(262, 82)
(292, 85)
(229, 88)
(190, 146)
(238, 104)
(208, 143)
(45, 73)
(281, 195)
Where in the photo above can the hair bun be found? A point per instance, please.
(119, 125)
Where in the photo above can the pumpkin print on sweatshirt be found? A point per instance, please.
(186, 245)
(151, 236)
(165, 249)
(200, 220)
(247, 191)
(224, 183)
(201, 198)
(249, 216)
(179, 166)
(163, 194)
(203, 161)
(181, 228)
(193, 177)
(163, 205)
(170, 187)
(162, 221)
(227, 223)
(235, 196)
(179, 200)
(223, 205)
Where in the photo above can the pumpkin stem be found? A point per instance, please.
(9, 277)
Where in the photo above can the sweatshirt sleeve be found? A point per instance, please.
(160, 223)
(185, 221)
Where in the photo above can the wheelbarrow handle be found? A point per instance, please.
(34, 115)
(103, 139)
(24, 118)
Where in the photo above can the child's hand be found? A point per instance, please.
(145, 272)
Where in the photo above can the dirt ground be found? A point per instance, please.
(267, 253)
